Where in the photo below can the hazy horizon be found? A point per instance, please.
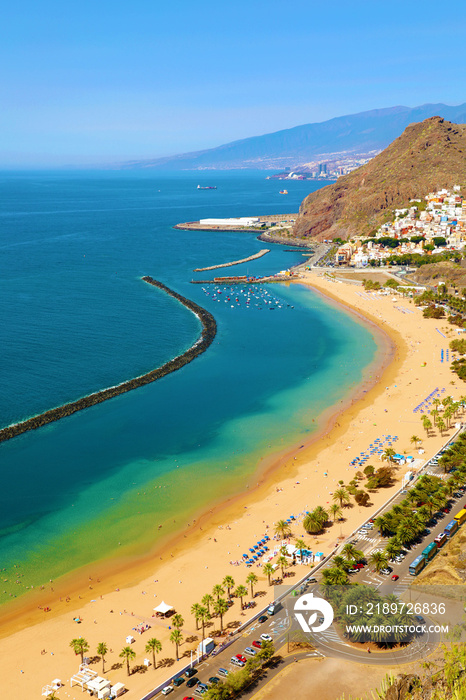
(95, 85)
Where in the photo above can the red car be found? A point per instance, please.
(395, 577)
(257, 644)
(360, 565)
(242, 658)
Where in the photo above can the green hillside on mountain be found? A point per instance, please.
(428, 156)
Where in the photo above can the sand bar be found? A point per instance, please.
(124, 593)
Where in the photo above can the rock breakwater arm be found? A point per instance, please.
(209, 330)
(234, 262)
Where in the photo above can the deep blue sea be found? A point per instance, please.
(75, 317)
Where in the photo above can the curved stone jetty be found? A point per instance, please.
(209, 330)
(235, 262)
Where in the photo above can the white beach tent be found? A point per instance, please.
(163, 608)
(97, 684)
(117, 690)
(83, 676)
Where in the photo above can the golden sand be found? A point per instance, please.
(125, 593)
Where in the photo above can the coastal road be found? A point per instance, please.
(331, 642)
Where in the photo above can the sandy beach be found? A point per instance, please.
(113, 598)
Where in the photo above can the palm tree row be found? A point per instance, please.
(203, 612)
(81, 646)
(443, 419)
(404, 525)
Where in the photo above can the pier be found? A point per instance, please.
(235, 262)
(209, 330)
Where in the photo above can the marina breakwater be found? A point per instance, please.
(234, 262)
(208, 333)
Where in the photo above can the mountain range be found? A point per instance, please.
(426, 157)
(352, 134)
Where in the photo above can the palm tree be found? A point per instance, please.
(283, 529)
(441, 425)
(300, 545)
(448, 415)
(415, 440)
(204, 616)
(127, 653)
(341, 562)
(389, 454)
(153, 645)
(177, 621)
(221, 607)
(176, 637)
(434, 413)
(268, 570)
(207, 601)
(79, 646)
(350, 552)
(342, 495)
(282, 562)
(322, 514)
(228, 582)
(335, 510)
(334, 576)
(102, 649)
(240, 592)
(426, 423)
(383, 525)
(392, 549)
(195, 607)
(251, 579)
(218, 590)
(312, 523)
(379, 561)
(406, 532)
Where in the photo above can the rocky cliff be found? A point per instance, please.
(427, 156)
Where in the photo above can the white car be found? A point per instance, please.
(167, 689)
(266, 637)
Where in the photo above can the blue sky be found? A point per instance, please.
(97, 82)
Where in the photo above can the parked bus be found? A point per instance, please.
(430, 551)
(451, 528)
(461, 516)
(417, 565)
(441, 539)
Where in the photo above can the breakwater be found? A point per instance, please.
(235, 262)
(209, 330)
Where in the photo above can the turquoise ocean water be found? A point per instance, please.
(75, 317)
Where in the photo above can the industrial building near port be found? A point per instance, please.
(239, 221)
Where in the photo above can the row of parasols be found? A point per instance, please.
(427, 402)
(375, 448)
